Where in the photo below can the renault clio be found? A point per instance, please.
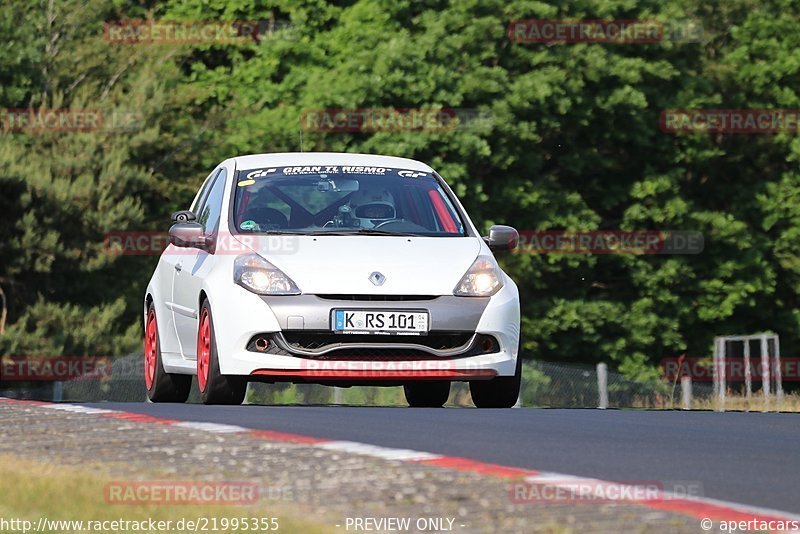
(335, 269)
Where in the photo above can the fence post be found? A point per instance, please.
(778, 375)
(714, 371)
(58, 391)
(720, 382)
(748, 378)
(686, 392)
(602, 385)
(765, 375)
(337, 395)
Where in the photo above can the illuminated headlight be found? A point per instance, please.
(256, 274)
(482, 279)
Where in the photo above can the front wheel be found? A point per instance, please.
(215, 388)
(500, 392)
(161, 386)
(427, 394)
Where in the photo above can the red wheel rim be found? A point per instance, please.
(150, 349)
(203, 350)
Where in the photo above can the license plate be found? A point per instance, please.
(380, 322)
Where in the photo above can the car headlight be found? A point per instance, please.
(256, 274)
(482, 279)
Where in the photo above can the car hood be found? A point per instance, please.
(344, 264)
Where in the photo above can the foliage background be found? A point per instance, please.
(574, 144)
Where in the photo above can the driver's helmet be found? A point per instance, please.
(372, 207)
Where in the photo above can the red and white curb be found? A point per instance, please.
(696, 507)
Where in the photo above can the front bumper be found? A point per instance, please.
(383, 360)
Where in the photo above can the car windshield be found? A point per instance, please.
(334, 199)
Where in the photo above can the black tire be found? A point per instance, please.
(427, 394)
(164, 387)
(500, 392)
(219, 388)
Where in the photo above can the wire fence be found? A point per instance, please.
(572, 385)
(544, 384)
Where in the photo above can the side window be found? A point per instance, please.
(210, 209)
(201, 195)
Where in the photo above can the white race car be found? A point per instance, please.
(336, 269)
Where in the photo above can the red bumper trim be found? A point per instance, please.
(347, 374)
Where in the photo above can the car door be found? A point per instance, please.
(193, 265)
(166, 273)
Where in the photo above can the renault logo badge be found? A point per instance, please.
(377, 278)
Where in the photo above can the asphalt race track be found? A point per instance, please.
(747, 458)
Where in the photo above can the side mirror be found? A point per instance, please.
(188, 235)
(502, 238)
(183, 216)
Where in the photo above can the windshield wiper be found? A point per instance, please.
(362, 231)
(377, 231)
(278, 232)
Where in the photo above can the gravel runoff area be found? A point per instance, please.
(324, 486)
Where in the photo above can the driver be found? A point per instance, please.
(372, 207)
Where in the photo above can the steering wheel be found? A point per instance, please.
(405, 226)
(389, 221)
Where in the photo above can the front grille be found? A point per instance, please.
(377, 355)
(482, 345)
(378, 298)
(319, 340)
(328, 346)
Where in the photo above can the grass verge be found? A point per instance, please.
(33, 490)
